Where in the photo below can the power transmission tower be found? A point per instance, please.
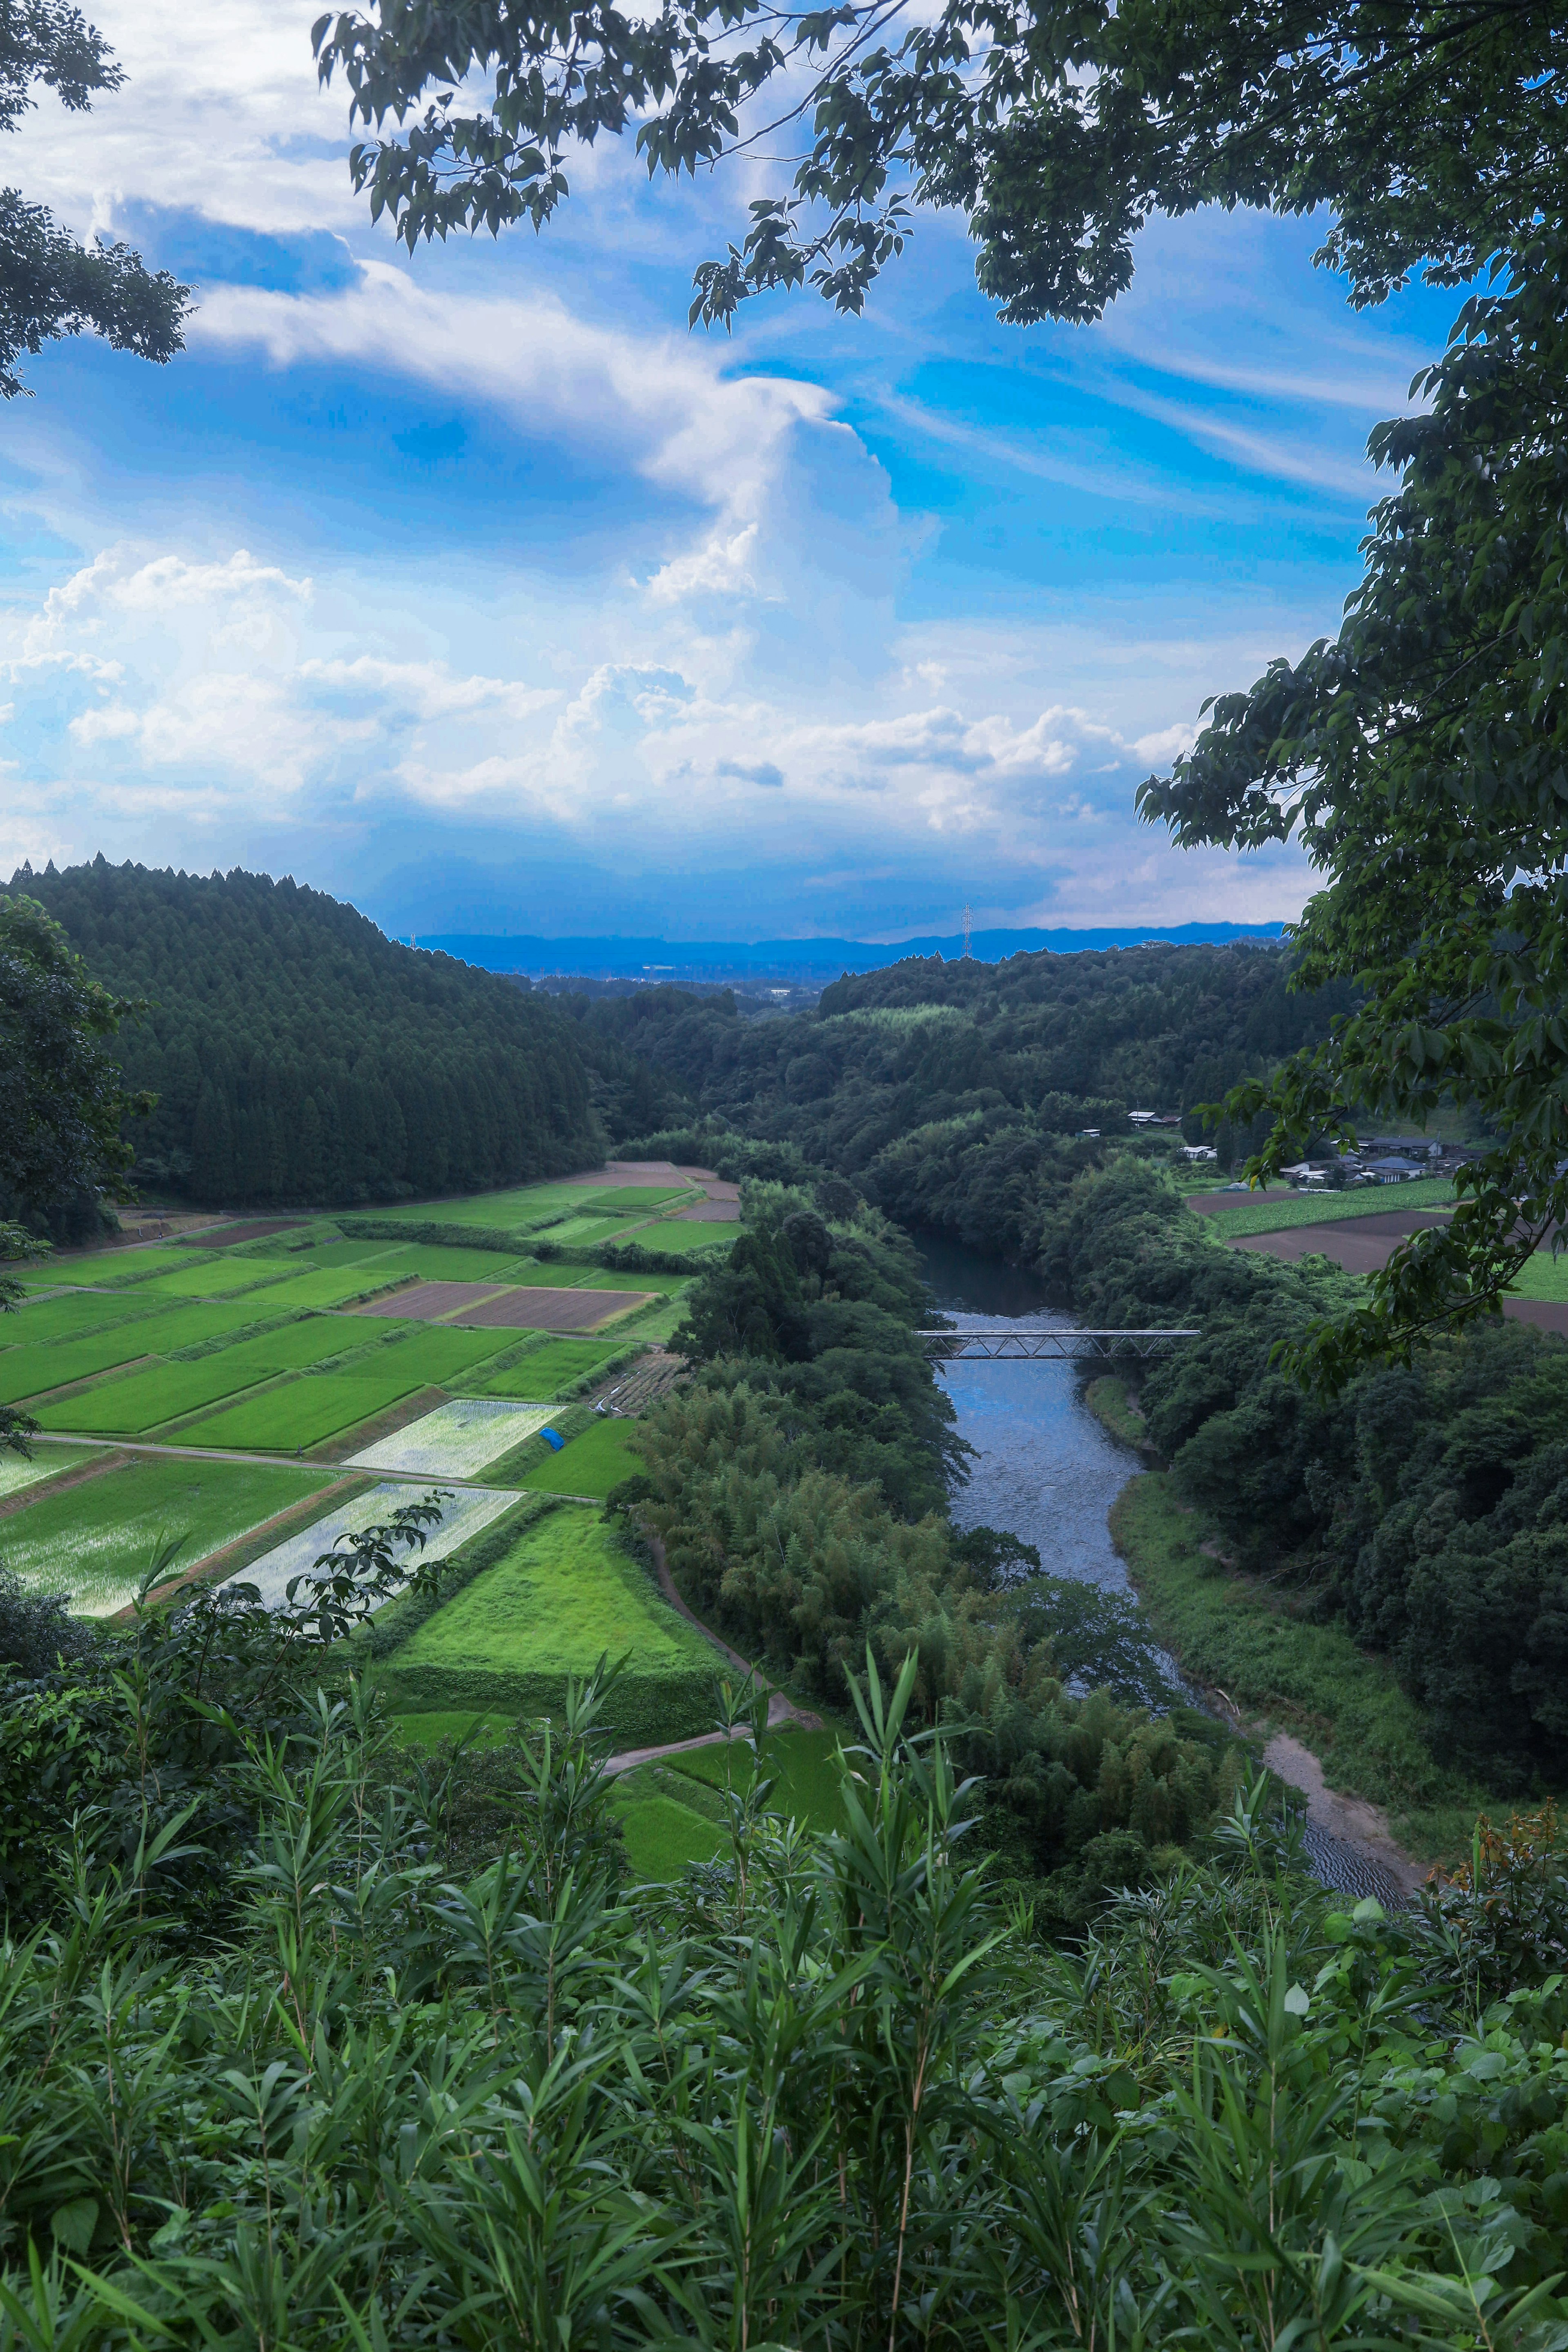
(968, 927)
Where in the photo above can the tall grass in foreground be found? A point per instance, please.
(825, 2091)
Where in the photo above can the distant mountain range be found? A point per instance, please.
(798, 961)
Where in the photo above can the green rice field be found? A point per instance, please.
(18, 1472)
(518, 1210)
(106, 1268)
(70, 1314)
(29, 1372)
(588, 1464)
(582, 1233)
(307, 1412)
(327, 1287)
(144, 1400)
(210, 1279)
(683, 1238)
(543, 1371)
(1278, 1213)
(95, 1540)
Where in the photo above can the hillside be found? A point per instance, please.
(298, 1055)
(953, 1092)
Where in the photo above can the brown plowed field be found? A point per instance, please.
(1546, 1314)
(427, 1302)
(482, 1307)
(706, 1213)
(1360, 1245)
(1365, 1244)
(552, 1310)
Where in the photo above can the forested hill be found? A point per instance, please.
(952, 1091)
(300, 1055)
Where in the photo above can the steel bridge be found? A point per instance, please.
(1032, 1347)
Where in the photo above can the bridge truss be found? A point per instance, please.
(1012, 1346)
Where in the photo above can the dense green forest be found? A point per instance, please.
(953, 1092)
(1424, 1506)
(299, 1056)
(1423, 1509)
(800, 1485)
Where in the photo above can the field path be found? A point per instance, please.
(781, 1709)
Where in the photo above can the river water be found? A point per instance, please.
(1048, 1471)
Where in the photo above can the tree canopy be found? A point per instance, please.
(61, 1100)
(51, 286)
(1056, 130)
(299, 1054)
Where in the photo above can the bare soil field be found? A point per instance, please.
(484, 1306)
(429, 1302)
(1365, 1244)
(1360, 1245)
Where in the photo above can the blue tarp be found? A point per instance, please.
(553, 1439)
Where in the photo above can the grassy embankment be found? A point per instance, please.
(552, 1597)
(1240, 1637)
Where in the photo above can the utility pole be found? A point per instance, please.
(968, 927)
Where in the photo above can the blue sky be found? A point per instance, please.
(474, 589)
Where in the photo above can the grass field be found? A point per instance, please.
(17, 1472)
(1308, 1679)
(684, 1239)
(671, 1811)
(662, 1835)
(1545, 1277)
(589, 1465)
(561, 1597)
(456, 1439)
(559, 1364)
(804, 1763)
(95, 1540)
(1278, 1213)
(163, 1392)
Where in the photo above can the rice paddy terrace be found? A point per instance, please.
(254, 1391)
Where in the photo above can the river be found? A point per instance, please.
(1049, 1471)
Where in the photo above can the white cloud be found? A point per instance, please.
(425, 690)
(717, 568)
(663, 404)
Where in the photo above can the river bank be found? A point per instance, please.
(1287, 1679)
(1060, 1467)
